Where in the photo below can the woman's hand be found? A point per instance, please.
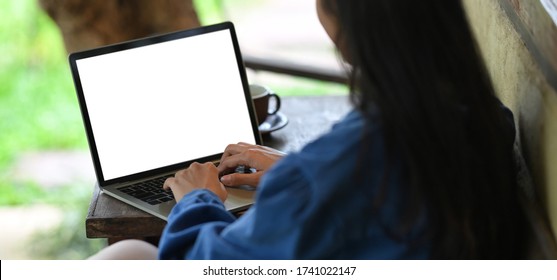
(197, 176)
(257, 157)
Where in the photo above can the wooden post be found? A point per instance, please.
(87, 24)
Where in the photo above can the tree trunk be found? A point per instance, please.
(87, 24)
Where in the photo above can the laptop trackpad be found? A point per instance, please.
(239, 199)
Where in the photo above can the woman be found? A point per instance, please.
(421, 168)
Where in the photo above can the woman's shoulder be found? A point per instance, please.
(341, 148)
(347, 135)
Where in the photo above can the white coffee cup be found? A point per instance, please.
(260, 96)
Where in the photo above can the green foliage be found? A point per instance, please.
(66, 241)
(215, 11)
(11, 195)
(210, 11)
(39, 110)
(38, 107)
(302, 86)
(14, 194)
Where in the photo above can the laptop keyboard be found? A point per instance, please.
(149, 191)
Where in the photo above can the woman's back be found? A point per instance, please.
(417, 64)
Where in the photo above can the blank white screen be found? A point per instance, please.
(165, 103)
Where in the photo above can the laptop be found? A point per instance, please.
(153, 106)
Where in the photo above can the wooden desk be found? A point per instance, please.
(308, 118)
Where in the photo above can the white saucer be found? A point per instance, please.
(273, 122)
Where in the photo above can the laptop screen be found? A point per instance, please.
(164, 103)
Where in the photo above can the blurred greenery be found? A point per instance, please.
(215, 11)
(66, 241)
(38, 111)
(210, 11)
(37, 102)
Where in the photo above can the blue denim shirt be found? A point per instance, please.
(314, 204)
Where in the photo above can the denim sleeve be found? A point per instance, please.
(199, 227)
(197, 210)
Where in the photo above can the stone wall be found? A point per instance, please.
(519, 43)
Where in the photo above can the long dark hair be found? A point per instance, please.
(418, 64)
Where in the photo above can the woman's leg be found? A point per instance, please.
(130, 249)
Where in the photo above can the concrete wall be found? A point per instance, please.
(522, 81)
